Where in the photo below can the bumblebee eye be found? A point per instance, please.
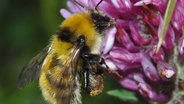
(81, 40)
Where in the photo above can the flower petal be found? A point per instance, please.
(138, 38)
(148, 92)
(142, 2)
(123, 38)
(149, 69)
(128, 83)
(124, 55)
(65, 13)
(181, 45)
(109, 40)
(75, 8)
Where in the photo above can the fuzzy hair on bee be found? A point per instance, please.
(74, 51)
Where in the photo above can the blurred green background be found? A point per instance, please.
(25, 28)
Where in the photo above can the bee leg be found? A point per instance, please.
(91, 59)
(90, 62)
(102, 62)
(86, 81)
(95, 59)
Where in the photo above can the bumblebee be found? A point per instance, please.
(72, 55)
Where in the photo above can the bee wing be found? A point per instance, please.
(31, 70)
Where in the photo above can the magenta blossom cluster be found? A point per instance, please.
(129, 47)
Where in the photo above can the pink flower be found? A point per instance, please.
(129, 47)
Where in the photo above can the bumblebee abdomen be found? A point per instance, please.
(58, 87)
(67, 94)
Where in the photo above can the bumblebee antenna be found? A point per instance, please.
(78, 3)
(98, 4)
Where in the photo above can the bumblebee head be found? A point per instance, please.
(100, 20)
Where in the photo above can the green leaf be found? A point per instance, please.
(124, 95)
(167, 19)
